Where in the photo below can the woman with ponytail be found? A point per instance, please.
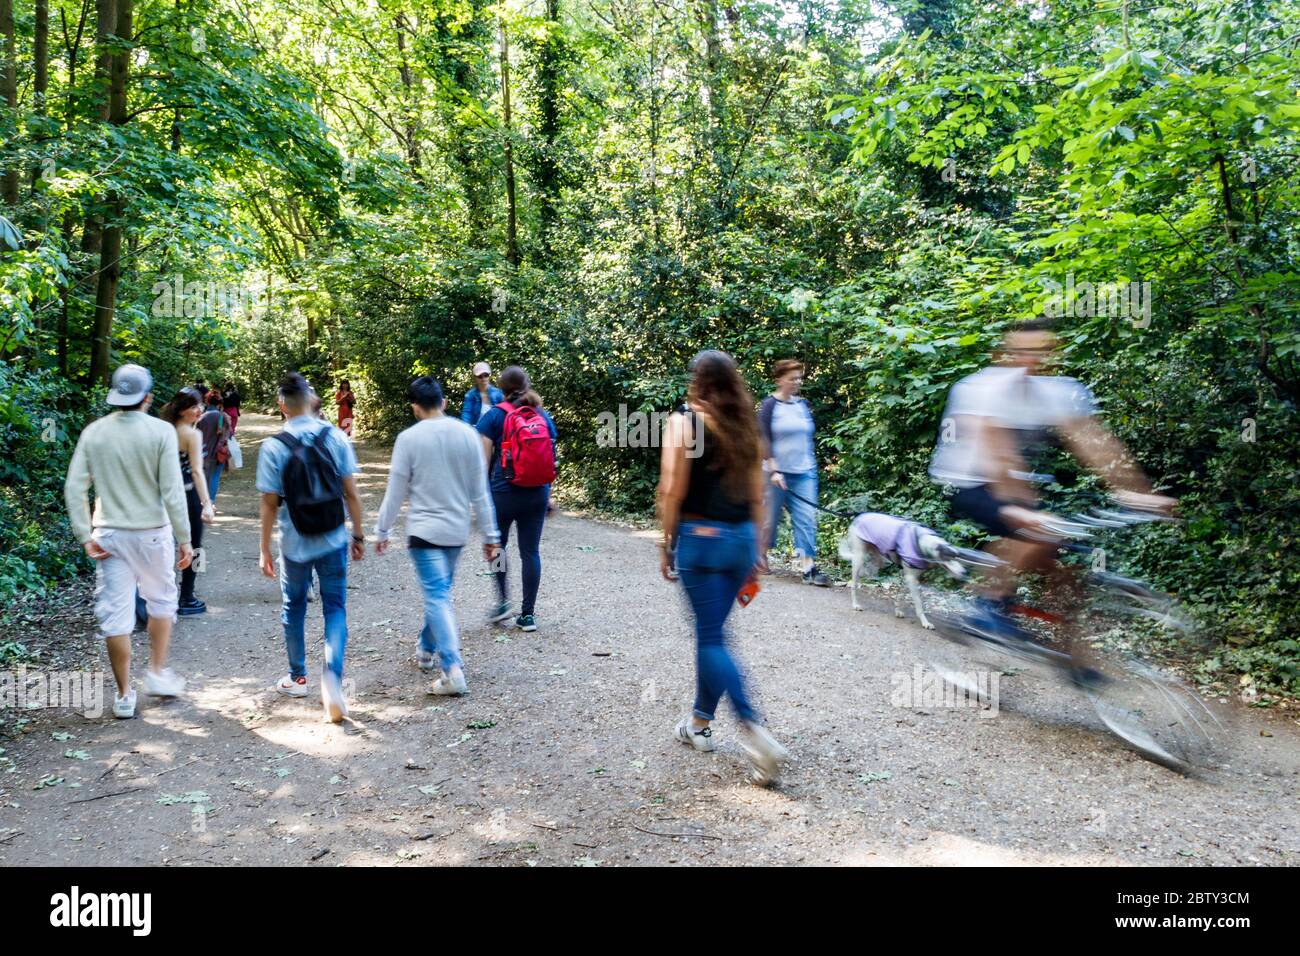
(182, 412)
(519, 475)
(711, 509)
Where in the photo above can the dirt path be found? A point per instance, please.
(562, 754)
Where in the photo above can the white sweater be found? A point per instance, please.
(438, 465)
(134, 464)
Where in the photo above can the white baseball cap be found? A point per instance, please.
(131, 383)
(481, 367)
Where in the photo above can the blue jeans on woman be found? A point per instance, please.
(214, 480)
(436, 567)
(803, 517)
(295, 579)
(526, 508)
(714, 559)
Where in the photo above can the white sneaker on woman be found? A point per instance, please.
(425, 660)
(765, 754)
(701, 740)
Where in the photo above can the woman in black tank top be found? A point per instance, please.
(711, 510)
(183, 411)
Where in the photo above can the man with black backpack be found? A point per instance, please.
(305, 474)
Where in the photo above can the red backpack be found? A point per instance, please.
(527, 455)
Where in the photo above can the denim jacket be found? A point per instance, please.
(473, 406)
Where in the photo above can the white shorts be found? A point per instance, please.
(137, 559)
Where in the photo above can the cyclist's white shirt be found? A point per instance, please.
(1010, 398)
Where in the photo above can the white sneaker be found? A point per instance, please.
(450, 685)
(425, 660)
(292, 686)
(765, 754)
(124, 707)
(166, 683)
(331, 694)
(701, 740)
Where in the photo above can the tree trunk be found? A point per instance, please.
(410, 127)
(105, 27)
(549, 67)
(9, 93)
(512, 233)
(714, 90)
(41, 53)
(111, 247)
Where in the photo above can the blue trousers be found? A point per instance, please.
(436, 567)
(714, 558)
(803, 517)
(295, 579)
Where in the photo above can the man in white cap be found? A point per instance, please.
(482, 396)
(133, 462)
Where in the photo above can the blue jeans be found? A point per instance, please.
(295, 579)
(214, 480)
(435, 567)
(526, 508)
(714, 558)
(803, 517)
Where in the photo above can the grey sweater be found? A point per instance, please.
(134, 464)
(438, 465)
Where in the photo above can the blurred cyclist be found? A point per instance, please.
(994, 421)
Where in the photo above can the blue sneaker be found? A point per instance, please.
(989, 621)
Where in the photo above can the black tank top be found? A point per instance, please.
(187, 473)
(706, 494)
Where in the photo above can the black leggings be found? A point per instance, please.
(195, 508)
(526, 509)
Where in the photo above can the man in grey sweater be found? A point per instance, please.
(438, 466)
(133, 462)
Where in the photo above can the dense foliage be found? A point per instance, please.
(598, 190)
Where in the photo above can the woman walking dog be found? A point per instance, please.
(791, 464)
(711, 510)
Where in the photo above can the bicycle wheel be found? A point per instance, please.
(1157, 716)
(1135, 598)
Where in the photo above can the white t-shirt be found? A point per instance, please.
(1028, 404)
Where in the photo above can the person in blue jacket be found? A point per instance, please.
(481, 397)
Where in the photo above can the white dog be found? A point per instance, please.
(883, 539)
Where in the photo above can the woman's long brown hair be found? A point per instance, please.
(186, 398)
(518, 387)
(719, 394)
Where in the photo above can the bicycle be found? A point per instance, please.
(1148, 709)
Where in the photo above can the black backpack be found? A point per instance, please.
(313, 489)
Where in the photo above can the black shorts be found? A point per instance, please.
(977, 504)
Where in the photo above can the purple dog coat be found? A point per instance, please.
(890, 535)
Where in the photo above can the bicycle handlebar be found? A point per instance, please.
(1075, 527)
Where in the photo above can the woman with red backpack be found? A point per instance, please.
(519, 440)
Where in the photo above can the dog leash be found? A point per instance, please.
(838, 514)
